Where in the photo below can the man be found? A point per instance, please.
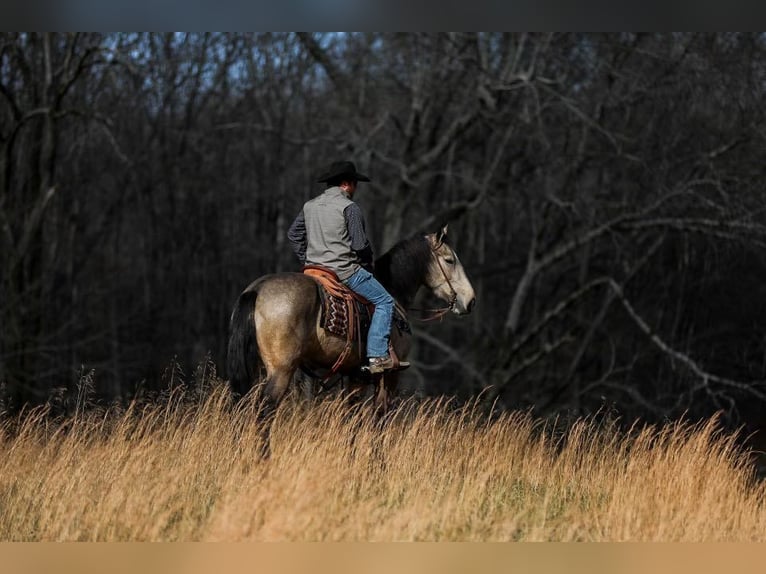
(330, 232)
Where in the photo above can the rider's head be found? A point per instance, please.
(342, 174)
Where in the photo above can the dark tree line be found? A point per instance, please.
(604, 193)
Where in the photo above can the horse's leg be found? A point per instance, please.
(279, 350)
(380, 403)
(274, 388)
(391, 382)
(385, 393)
(355, 391)
(280, 337)
(385, 389)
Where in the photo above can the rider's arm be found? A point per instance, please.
(356, 231)
(297, 236)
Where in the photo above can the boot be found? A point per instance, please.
(377, 365)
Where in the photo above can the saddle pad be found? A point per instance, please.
(335, 317)
(336, 297)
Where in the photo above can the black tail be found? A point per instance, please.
(242, 361)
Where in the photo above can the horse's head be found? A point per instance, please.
(446, 277)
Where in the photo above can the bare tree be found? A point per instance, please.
(604, 189)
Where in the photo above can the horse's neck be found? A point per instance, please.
(404, 297)
(402, 270)
(403, 284)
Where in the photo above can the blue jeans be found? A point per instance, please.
(367, 286)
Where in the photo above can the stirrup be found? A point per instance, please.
(377, 365)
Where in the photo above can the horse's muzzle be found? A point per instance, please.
(462, 309)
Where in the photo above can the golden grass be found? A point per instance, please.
(189, 469)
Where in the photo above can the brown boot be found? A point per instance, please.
(381, 364)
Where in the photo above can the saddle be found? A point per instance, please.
(346, 313)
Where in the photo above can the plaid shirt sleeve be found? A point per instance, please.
(297, 236)
(357, 233)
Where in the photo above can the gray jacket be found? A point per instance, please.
(330, 231)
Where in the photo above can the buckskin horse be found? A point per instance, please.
(276, 322)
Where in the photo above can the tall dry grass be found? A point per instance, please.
(189, 468)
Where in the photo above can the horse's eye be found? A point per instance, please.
(449, 261)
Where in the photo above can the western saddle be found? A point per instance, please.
(347, 314)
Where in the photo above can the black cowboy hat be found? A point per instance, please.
(340, 169)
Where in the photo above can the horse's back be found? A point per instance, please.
(290, 296)
(287, 316)
(273, 322)
(285, 279)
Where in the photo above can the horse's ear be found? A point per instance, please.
(437, 237)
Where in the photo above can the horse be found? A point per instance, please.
(275, 323)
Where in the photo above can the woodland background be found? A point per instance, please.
(604, 192)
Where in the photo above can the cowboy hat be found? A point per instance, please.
(340, 169)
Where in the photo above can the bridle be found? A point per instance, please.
(441, 311)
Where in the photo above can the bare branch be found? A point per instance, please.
(562, 250)
(552, 314)
(453, 354)
(321, 57)
(449, 135)
(705, 377)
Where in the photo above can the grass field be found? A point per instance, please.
(189, 469)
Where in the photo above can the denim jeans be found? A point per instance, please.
(367, 286)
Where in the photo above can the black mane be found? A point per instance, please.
(402, 269)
